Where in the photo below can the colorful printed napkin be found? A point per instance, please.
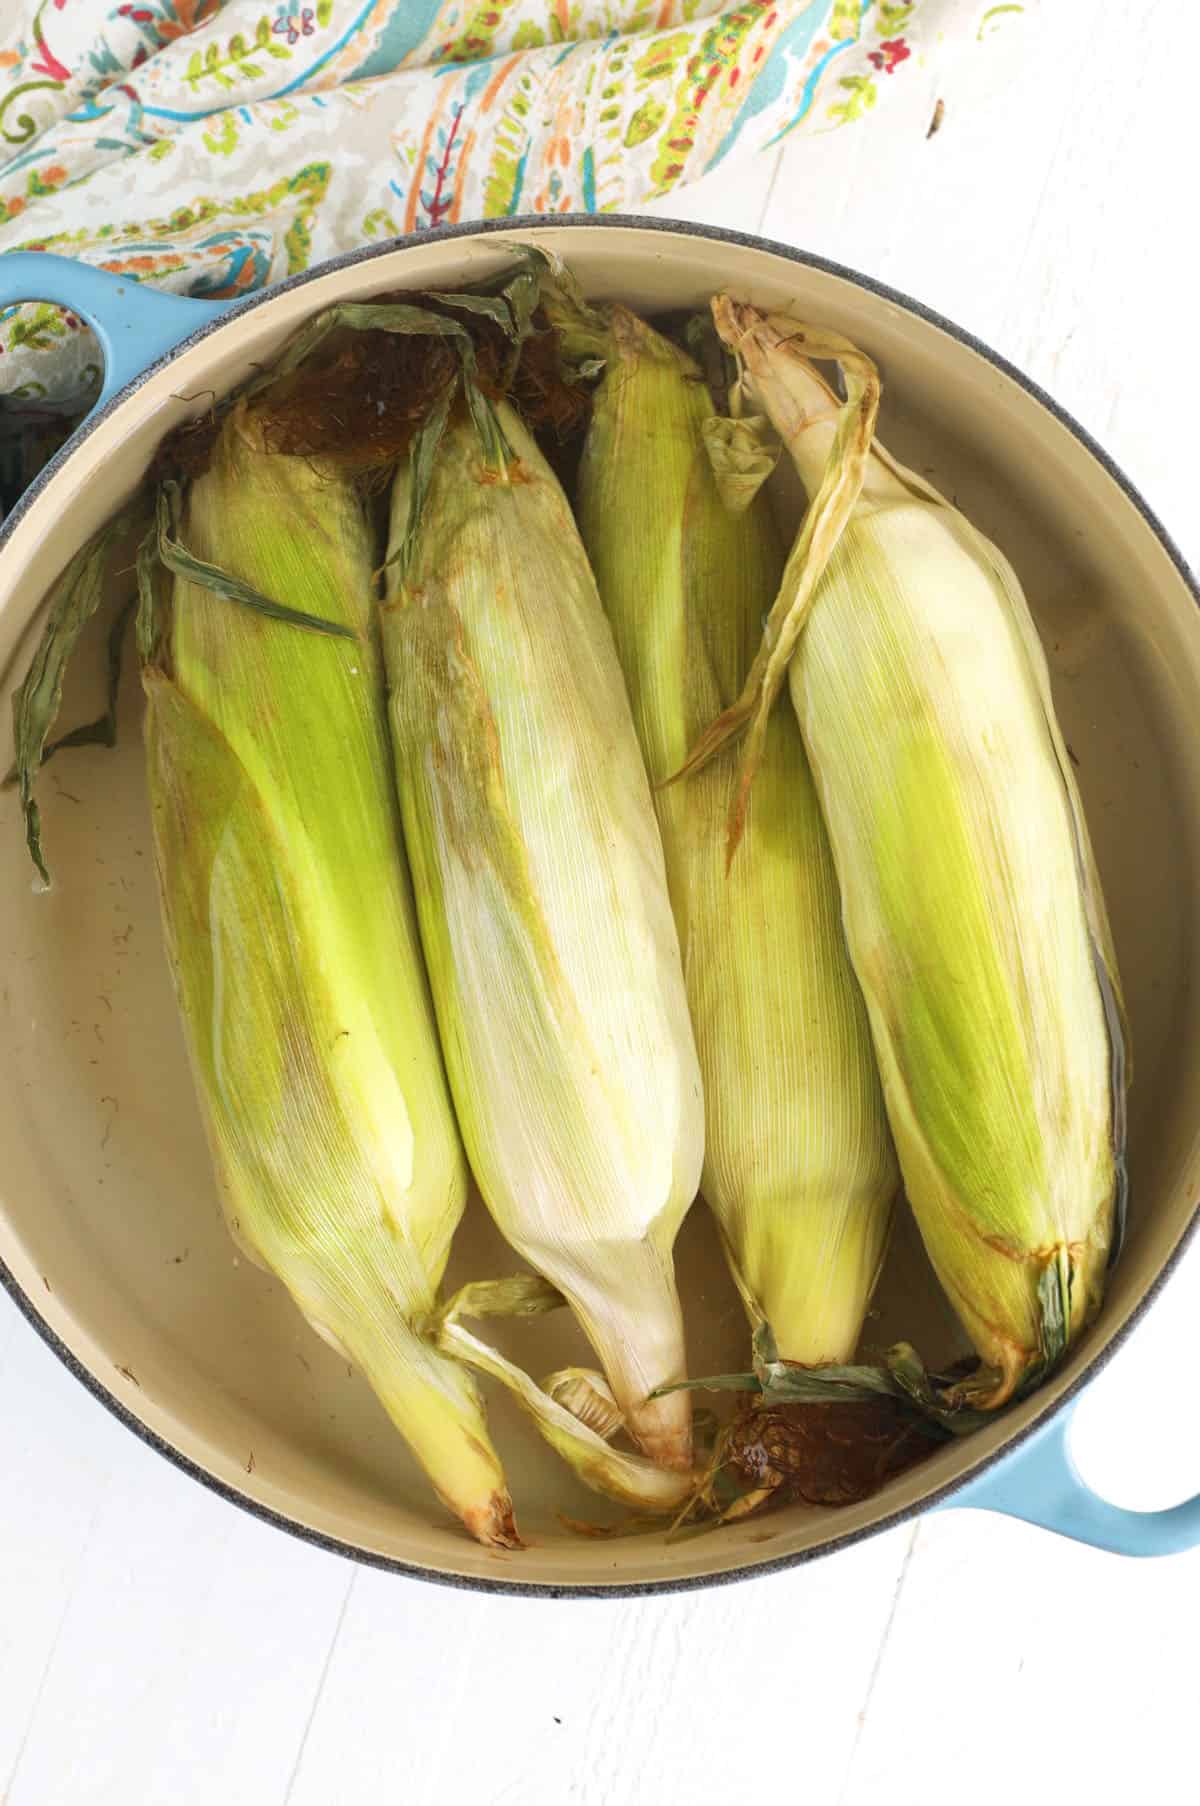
(214, 146)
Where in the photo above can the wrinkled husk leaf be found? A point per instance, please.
(971, 901)
(742, 453)
(77, 595)
(573, 1410)
(547, 929)
(293, 943)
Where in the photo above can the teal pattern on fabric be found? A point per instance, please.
(210, 147)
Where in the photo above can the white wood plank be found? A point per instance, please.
(1045, 216)
(946, 218)
(58, 1461)
(527, 1703)
(1020, 1666)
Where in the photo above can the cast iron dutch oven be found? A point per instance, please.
(111, 1240)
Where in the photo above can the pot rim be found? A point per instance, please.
(525, 223)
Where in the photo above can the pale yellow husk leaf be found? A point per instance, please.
(547, 927)
(971, 900)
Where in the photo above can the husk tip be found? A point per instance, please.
(494, 1524)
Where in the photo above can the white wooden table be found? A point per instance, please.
(157, 1646)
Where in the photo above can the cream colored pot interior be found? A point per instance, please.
(108, 1216)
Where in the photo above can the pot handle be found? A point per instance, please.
(1039, 1483)
(135, 325)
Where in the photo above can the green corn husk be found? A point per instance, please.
(294, 947)
(552, 954)
(799, 1169)
(971, 901)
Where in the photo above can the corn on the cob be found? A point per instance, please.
(799, 1168)
(294, 946)
(552, 954)
(972, 905)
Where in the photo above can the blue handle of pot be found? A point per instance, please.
(1039, 1483)
(135, 325)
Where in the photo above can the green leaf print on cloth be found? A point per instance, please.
(214, 146)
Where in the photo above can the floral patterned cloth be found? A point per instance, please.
(213, 146)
